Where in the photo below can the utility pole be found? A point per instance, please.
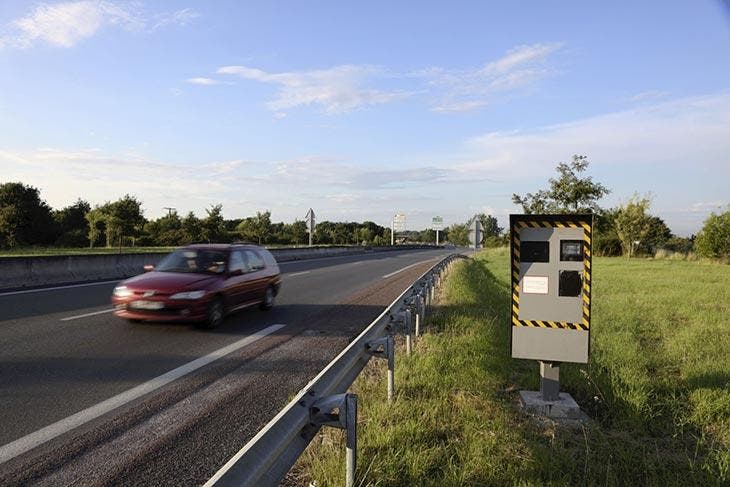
(169, 210)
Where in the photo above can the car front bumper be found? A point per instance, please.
(171, 310)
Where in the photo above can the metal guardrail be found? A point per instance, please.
(269, 455)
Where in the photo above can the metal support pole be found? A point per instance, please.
(391, 368)
(392, 232)
(433, 293)
(550, 381)
(351, 441)
(384, 348)
(407, 317)
(422, 300)
(418, 319)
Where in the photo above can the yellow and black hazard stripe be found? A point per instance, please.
(517, 223)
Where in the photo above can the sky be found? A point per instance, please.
(361, 110)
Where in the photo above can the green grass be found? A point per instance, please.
(657, 388)
(47, 251)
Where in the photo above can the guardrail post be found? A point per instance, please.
(408, 328)
(320, 414)
(384, 347)
(351, 445)
(422, 300)
(391, 368)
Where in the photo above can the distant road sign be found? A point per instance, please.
(437, 223)
(475, 233)
(310, 219)
(311, 222)
(399, 222)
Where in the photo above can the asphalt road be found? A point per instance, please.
(88, 399)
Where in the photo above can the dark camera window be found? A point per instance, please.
(570, 283)
(571, 250)
(534, 251)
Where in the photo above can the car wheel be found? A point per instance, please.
(268, 301)
(215, 313)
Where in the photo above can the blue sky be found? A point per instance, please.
(364, 109)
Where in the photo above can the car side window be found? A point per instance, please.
(255, 261)
(238, 261)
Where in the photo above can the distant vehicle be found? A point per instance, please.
(200, 283)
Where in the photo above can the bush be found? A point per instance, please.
(714, 239)
(679, 244)
(492, 242)
(607, 246)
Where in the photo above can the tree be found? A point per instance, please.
(124, 218)
(165, 231)
(714, 239)
(97, 226)
(569, 193)
(191, 228)
(72, 225)
(262, 225)
(247, 229)
(657, 235)
(298, 232)
(459, 234)
(633, 223)
(25, 219)
(213, 225)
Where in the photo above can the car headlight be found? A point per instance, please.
(122, 292)
(188, 295)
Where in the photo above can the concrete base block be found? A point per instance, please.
(564, 408)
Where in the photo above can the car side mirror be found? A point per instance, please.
(237, 272)
(149, 267)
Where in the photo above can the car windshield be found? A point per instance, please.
(194, 260)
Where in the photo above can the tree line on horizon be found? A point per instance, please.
(27, 220)
(628, 229)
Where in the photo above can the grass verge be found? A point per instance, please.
(657, 388)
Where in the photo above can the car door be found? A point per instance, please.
(236, 284)
(257, 267)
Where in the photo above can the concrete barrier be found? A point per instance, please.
(28, 272)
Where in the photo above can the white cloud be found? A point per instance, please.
(690, 130)
(677, 150)
(337, 90)
(203, 81)
(649, 95)
(179, 18)
(65, 24)
(346, 87)
(470, 89)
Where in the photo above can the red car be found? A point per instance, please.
(200, 283)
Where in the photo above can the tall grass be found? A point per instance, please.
(657, 388)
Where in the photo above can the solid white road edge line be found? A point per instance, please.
(56, 288)
(406, 267)
(32, 440)
(88, 314)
